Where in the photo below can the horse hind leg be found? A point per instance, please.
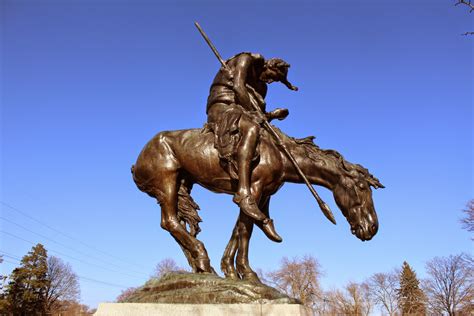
(189, 217)
(167, 195)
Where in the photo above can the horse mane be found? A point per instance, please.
(327, 157)
(323, 157)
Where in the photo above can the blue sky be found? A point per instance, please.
(85, 84)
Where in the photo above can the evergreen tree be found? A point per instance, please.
(3, 296)
(411, 298)
(26, 293)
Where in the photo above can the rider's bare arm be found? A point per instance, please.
(242, 65)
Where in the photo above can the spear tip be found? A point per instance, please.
(327, 211)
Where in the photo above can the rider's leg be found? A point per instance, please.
(248, 144)
(245, 153)
(250, 131)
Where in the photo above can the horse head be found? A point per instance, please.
(350, 183)
(353, 195)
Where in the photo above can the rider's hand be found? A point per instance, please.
(261, 116)
(279, 114)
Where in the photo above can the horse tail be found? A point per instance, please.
(188, 209)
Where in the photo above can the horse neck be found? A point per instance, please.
(325, 171)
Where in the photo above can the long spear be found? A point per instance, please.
(324, 207)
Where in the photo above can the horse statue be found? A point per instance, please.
(173, 161)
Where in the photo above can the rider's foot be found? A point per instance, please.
(249, 206)
(270, 231)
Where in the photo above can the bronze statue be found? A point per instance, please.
(238, 152)
(237, 127)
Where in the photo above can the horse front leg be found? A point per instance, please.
(228, 258)
(245, 228)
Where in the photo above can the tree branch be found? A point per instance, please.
(468, 3)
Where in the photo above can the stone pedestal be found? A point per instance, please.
(188, 294)
(152, 309)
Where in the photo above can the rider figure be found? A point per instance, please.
(236, 124)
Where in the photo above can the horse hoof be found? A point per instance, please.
(203, 265)
(213, 271)
(251, 277)
(231, 275)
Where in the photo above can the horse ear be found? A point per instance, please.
(379, 186)
(373, 181)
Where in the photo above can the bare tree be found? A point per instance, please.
(356, 300)
(337, 303)
(468, 221)
(298, 278)
(63, 285)
(450, 285)
(471, 8)
(383, 287)
(166, 266)
(125, 294)
(72, 308)
(468, 3)
(361, 297)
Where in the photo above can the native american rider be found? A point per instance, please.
(236, 124)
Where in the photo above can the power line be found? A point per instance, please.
(9, 255)
(11, 262)
(102, 282)
(68, 256)
(71, 257)
(78, 276)
(66, 235)
(65, 246)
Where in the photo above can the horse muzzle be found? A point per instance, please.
(366, 229)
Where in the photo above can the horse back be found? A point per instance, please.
(191, 154)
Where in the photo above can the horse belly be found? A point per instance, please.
(214, 180)
(200, 161)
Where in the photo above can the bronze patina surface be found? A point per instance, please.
(193, 288)
(240, 153)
